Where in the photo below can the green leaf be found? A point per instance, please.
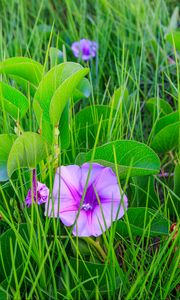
(166, 120)
(167, 132)
(120, 98)
(22, 67)
(133, 158)
(83, 90)
(174, 39)
(6, 142)
(53, 93)
(143, 221)
(63, 93)
(64, 128)
(27, 151)
(13, 101)
(166, 139)
(158, 106)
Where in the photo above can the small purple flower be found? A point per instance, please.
(84, 49)
(87, 197)
(39, 192)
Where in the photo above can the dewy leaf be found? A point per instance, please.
(133, 158)
(6, 142)
(27, 151)
(158, 106)
(22, 67)
(143, 221)
(54, 91)
(13, 101)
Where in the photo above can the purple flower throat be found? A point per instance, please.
(90, 199)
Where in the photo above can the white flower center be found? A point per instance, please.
(87, 206)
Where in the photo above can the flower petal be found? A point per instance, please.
(110, 193)
(92, 170)
(83, 225)
(103, 216)
(105, 179)
(68, 217)
(54, 207)
(65, 190)
(75, 48)
(67, 183)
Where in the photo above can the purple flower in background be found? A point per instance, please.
(39, 192)
(84, 49)
(87, 197)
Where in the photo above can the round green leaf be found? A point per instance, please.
(133, 158)
(143, 221)
(63, 93)
(22, 67)
(6, 142)
(167, 138)
(166, 120)
(54, 91)
(13, 101)
(27, 151)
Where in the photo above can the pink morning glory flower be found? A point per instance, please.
(39, 192)
(84, 49)
(87, 197)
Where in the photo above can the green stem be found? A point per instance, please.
(97, 246)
